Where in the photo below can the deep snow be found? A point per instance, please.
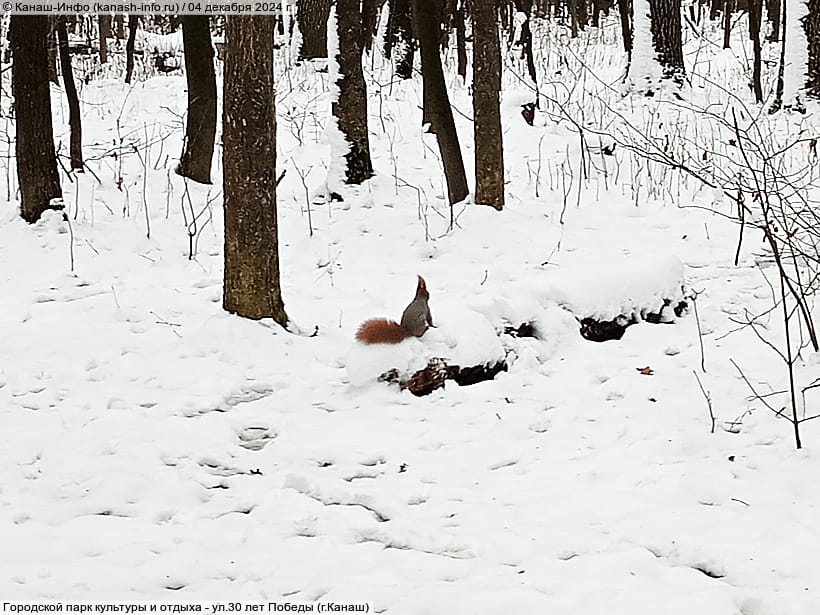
(158, 448)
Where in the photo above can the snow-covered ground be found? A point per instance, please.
(158, 448)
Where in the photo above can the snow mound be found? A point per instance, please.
(461, 336)
(621, 285)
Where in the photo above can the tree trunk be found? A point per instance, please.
(427, 22)
(251, 278)
(53, 51)
(370, 21)
(461, 39)
(200, 126)
(625, 10)
(119, 23)
(812, 26)
(351, 107)
(133, 22)
(728, 7)
(489, 151)
(74, 119)
(773, 15)
(755, 17)
(666, 37)
(105, 34)
(312, 16)
(37, 172)
(525, 40)
(779, 88)
(400, 38)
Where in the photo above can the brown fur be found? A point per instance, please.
(381, 331)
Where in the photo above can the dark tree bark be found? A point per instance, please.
(625, 10)
(370, 21)
(119, 25)
(777, 103)
(399, 40)
(812, 25)
(525, 39)
(351, 107)
(437, 111)
(461, 39)
(251, 279)
(728, 8)
(133, 22)
(666, 37)
(489, 151)
(36, 161)
(773, 16)
(105, 34)
(312, 16)
(74, 119)
(755, 17)
(200, 126)
(53, 51)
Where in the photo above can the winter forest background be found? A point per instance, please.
(614, 205)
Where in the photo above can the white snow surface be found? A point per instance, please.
(159, 448)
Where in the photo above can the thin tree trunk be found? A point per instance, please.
(400, 38)
(133, 22)
(777, 103)
(312, 17)
(74, 119)
(119, 23)
(728, 7)
(200, 126)
(351, 107)
(812, 26)
(427, 22)
(489, 150)
(251, 276)
(525, 39)
(53, 51)
(461, 38)
(625, 10)
(105, 33)
(755, 17)
(37, 172)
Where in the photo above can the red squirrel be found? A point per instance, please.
(415, 320)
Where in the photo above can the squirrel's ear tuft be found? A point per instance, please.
(422, 283)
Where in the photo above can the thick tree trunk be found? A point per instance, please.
(399, 40)
(200, 126)
(351, 107)
(489, 151)
(812, 26)
(312, 16)
(133, 22)
(37, 172)
(666, 37)
(105, 34)
(251, 279)
(74, 119)
(437, 111)
(755, 17)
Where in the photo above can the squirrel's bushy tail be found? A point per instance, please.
(381, 331)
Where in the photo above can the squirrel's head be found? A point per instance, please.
(421, 289)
